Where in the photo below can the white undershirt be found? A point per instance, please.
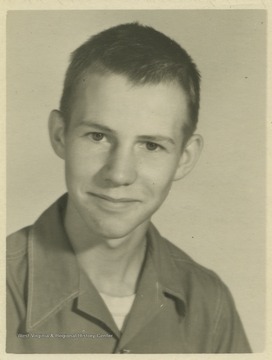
(118, 306)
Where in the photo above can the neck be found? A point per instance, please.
(113, 265)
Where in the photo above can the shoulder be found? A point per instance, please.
(177, 267)
(210, 304)
(17, 243)
(204, 291)
(197, 279)
(17, 268)
(183, 260)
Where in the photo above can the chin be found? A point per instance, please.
(113, 230)
(113, 233)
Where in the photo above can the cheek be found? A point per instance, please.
(159, 183)
(73, 165)
(161, 173)
(161, 189)
(81, 163)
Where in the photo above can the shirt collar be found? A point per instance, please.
(54, 273)
(172, 279)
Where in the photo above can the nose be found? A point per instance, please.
(120, 169)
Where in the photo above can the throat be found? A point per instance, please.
(114, 270)
(112, 265)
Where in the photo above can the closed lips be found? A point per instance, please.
(113, 200)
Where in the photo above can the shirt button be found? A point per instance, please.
(125, 351)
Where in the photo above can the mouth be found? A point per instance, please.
(114, 200)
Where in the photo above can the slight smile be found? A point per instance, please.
(113, 200)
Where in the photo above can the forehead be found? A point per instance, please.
(114, 95)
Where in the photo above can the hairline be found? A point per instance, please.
(98, 68)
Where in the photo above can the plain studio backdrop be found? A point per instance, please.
(217, 213)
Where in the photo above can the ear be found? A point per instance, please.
(189, 156)
(56, 126)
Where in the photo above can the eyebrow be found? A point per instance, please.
(96, 126)
(157, 138)
(151, 138)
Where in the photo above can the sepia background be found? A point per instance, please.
(217, 213)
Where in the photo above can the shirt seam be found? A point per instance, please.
(30, 279)
(16, 255)
(218, 312)
(198, 267)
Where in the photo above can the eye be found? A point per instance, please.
(96, 136)
(152, 146)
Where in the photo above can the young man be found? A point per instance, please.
(93, 275)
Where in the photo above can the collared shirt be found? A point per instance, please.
(52, 307)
